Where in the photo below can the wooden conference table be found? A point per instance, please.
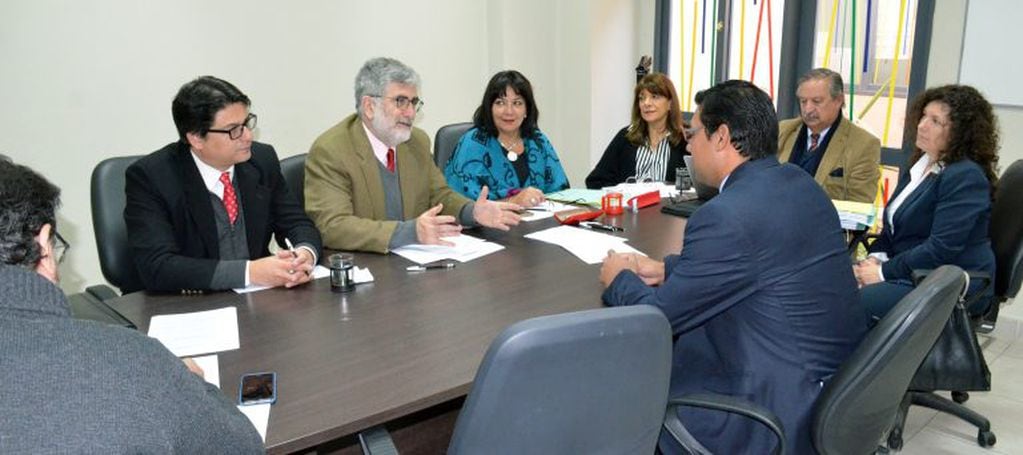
(407, 341)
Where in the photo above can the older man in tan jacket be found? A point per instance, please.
(370, 180)
(842, 157)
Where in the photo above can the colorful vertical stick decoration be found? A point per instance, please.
(852, 65)
(895, 71)
(692, 54)
(681, 50)
(866, 37)
(713, 39)
(756, 42)
(742, 33)
(770, 51)
(831, 34)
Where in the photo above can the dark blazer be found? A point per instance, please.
(619, 162)
(944, 221)
(763, 303)
(172, 232)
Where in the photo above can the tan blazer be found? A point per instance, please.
(849, 168)
(345, 197)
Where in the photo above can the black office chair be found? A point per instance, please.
(860, 402)
(1007, 243)
(107, 188)
(446, 140)
(293, 169)
(587, 382)
(115, 261)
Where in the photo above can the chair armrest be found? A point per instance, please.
(724, 403)
(101, 292)
(377, 441)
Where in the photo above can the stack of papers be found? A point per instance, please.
(466, 249)
(631, 190)
(203, 332)
(591, 247)
(577, 196)
(545, 210)
(855, 215)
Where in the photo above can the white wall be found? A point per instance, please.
(944, 66)
(83, 81)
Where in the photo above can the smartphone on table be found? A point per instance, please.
(257, 388)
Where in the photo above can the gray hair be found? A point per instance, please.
(376, 73)
(836, 86)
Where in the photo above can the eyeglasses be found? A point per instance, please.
(236, 131)
(688, 133)
(403, 102)
(60, 247)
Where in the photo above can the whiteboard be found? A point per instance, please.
(992, 61)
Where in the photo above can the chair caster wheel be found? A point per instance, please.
(960, 397)
(895, 439)
(986, 438)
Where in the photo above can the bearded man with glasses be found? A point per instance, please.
(200, 211)
(370, 180)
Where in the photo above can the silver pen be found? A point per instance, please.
(425, 267)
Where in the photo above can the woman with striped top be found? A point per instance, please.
(652, 146)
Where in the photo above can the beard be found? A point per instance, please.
(389, 132)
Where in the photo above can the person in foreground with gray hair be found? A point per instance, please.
(370, 180)
(75, 386)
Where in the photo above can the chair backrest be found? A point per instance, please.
(293, 170)
(445, 141)
(1007, 231)
(860, 402)
(107, 194)
(588, 382)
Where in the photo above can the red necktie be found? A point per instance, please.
(813, 141)
(390, 160)
(230, 201)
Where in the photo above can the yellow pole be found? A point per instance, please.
(831, 32)
(873, 99)
(742, 36)
(692, 53)
(895, 71)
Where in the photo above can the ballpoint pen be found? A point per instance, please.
(291, 247)
(425, 267)
(602, 227)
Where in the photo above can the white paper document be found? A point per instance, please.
(466, 249)
(203, 332)
(591, 247)
(545, 210)
(259, 415)
(210, 368)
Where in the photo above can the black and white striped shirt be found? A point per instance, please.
(653, 164)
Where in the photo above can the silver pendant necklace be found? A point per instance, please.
(509, 153)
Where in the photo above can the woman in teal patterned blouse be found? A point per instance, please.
(505, 151)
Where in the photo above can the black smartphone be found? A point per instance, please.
(258, 388)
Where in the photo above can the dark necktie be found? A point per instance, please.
(814, 141)
(390, 160)
(230, 200)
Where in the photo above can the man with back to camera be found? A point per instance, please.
(842, 157)
(81, 386)
(760, 298)
(370, 181)
(201, 210)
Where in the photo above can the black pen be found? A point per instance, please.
(602, 227)
(425, 267)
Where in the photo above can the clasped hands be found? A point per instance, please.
(432, 227)
(285, 268)
(649, 270)
(867, 271)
